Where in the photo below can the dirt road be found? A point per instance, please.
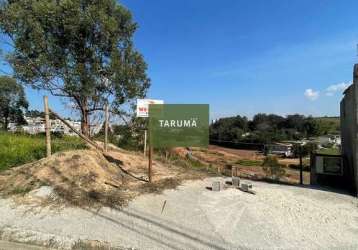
(193, 217)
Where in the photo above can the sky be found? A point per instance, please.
(245, 57)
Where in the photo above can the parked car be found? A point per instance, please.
(281, 149)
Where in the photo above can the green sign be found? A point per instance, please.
(179, 125)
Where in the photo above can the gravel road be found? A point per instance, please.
(193, 217)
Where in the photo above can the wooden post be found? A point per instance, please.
(145, 142)
(150, 156)
(301, 165)
(47, 127)
(106, 128)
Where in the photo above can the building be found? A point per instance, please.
(349, 130)
(36, 125)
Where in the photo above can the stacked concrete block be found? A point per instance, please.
(247, 187)
(236, 181)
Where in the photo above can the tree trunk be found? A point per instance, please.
(6, 123)
(85, 123)
(85, 126)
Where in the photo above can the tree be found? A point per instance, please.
(229, 129)
(272, 168)
(36, 113)
(79, 49)
(12, 101)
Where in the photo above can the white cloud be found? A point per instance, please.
(339, 87)
(310, 94)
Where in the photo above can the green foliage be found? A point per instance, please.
(36, 113)
(131, 135)
(17, 149)
(78, 49)
(272, 167)
(328, 125)
(21, 190)
(249, 163)
(329, 151)
(305, 150)
(268, 128)
(229, 129)
(166, 156)
(12, 101)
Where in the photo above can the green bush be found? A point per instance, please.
(329, 151)
(305, 149)
(273, 168)
(17, 149)
(249, 163)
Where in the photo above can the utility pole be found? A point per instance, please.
(301, 166)
(47, 127)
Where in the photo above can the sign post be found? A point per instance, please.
(150, 162)
(301, 165)
(145, 143)
(143, 111)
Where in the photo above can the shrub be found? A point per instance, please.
(305, 149)
(273, 168)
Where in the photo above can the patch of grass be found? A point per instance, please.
(249, 163)
(17, 149)
(178, 160)
(21, 190)
(93, 245)
(189, 163)
(329, 151)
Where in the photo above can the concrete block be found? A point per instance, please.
(246, 187)
(236, 181)
(216, 186)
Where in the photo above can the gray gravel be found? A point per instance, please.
(193, 217)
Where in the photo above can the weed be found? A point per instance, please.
(17, 149)
(21, 190)
(249, 163)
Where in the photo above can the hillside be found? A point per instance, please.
(329, 125)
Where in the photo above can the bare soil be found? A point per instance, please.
(86, 177)
(224, 159)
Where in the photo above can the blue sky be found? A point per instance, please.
(245, 57)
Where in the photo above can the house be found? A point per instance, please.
(36, 125)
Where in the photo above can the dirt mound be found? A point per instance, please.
(87, 177)
(79, 177)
